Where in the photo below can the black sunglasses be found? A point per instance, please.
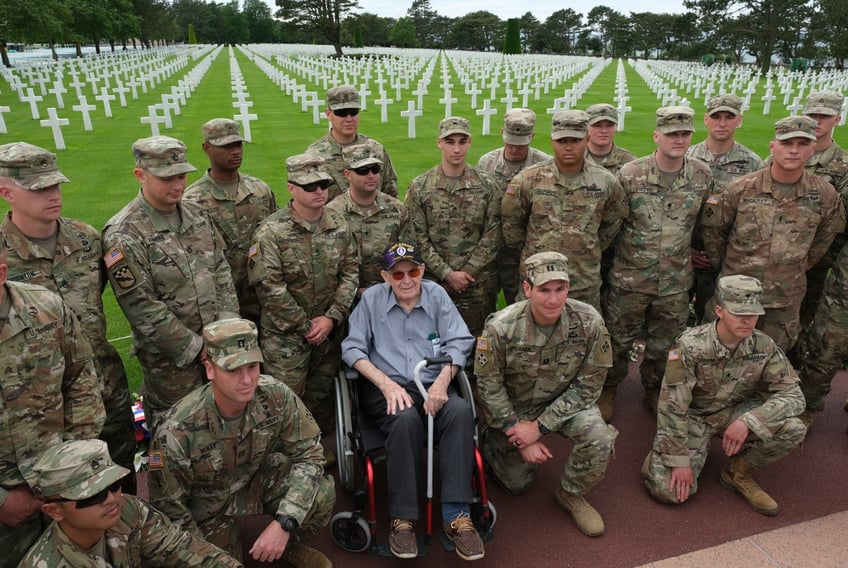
(363, 170)
(312, 187)
(343, 112)
(95, 499)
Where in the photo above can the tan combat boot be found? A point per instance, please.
(606, 402)
(737, 477)
(302, 556)
(587, 519)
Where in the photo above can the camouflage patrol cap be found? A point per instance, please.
(454, 125)
(29, 166)
(221, 131)
(795, 127)
(162, 156)
(344, 96)
(306, 168)
(76, 469)
(602, 111)
(518, 126)
(725, 103)
(232, 343)
(543, 267)
(399, 252)
(741, 295)
(364, 154)
(569, 124)
(824, 102)
(675, 119)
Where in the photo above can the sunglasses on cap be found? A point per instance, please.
(312, 187)
(364, 170)
(95, 499)
(344, 112)
(398, 275)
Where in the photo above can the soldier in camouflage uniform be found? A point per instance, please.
(166, 264)
(540, 366)
(48, 366)
(96, 525)
(568, 205)
(775, 224)
(503, 163)
(728, 160)
(725, 378)
(373, 216)
(652, 271)
(236, 203)
(453, 214)
(63, 255)
(243, 444)
(602, 150)
(304, 266)
(343, 113)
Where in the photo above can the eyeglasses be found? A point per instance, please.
(344, 112)
(398, 275)
(364, 170)
(95, 499)
(312, 187)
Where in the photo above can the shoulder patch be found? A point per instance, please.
(124, 277)
(155, 459)
(674, 355)
(674, 372)
(254, 248)
(510, 190)
(482, 344)
(113, 255)
(713, 199)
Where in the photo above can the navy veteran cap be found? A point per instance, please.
(401, 251)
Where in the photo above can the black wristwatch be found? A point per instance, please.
(542, 428)
(288, 523)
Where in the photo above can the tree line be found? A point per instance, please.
(728, 29)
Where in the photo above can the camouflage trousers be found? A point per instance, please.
(823, 347)
(782, 324)
(16, 541)
(307, 370)
(165, 384)
(627, 313)
(119, 428)
(477, 302)
(586, 464)
(702, 291)
(508, 262)
(262, 496)
(755, 451)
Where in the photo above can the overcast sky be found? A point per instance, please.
(515, 9)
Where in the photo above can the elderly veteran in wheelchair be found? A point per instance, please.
(395, 325)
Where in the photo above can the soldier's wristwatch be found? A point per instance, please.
(542, 428)
(288, 523)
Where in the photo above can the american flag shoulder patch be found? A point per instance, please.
(712, 199)
(674, 355)
(113, 255)
(482, 344)
(254, 248)
(155, 459)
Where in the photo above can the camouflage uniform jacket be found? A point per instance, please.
(49, 382)
(613, 161)
(747, 231)
(832, 165)
(301, 272)
(733, 164)
(652, 250)
(522, 374)
(168, 284)
(704, 378)
(494, 163)
(373, 229)
(143, 537)
(236, 218)
(335, 164)
(206, 474)
(75, 273)
(545, 210)
(455, 222)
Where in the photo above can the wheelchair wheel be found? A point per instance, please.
(345, 452)
(351, 534)
(482, 522)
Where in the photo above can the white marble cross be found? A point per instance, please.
(473, 91)
(448, 101)
(55, 123)
(420, 92)
(509, 100)
(85, 108)
(383, 103)
(622, 110)
(76, 84)
(106, 97)
(795, 106)
(525, 94)
(486, 112)
(58, 90)
(33, 100)
(410, 114)
(122, 93)
(313, 103)
(3, 109)
(154, 119)
(767, 98)
(244, 116)
(363, 96)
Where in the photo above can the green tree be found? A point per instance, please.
(479, 31)
(830, 23)
(424, 18)
(27, 21)
(90, 22)
(192, 37)
(260, 23)
(202, 16)
(561, 30)
(374, 29)
(156, 23)
(403, 33)
(531, 37)
(512, 42)
(124, 22)
(323, 17)
(613, 28)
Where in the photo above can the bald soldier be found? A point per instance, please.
(243, 444)
(730, 380)
(235, 202)
(568, 205)
(540, 365)
(51, 394)
(342, 111)
(166, 264)
(774, 225)
(95, 524)
(64, 256)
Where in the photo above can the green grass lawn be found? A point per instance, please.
(99, 163)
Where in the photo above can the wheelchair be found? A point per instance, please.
(359, 445)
